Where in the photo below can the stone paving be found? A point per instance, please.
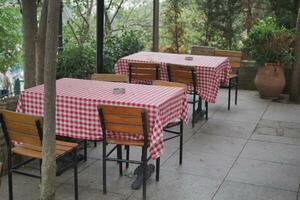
(251, 152)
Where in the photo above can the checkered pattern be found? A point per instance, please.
(77, 115)
(211, 71)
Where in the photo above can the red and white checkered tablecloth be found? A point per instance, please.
(211, 71)
(77, 115)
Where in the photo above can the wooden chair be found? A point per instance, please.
(143, 71)
(27, 132)
(203, 50)
(110, 77)
(175, 123)
(235, 58)
(130, 120)
(187, 75)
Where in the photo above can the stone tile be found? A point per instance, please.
(276, 139)
(24, 187)
(228, 128)
(214, 144)
(283, 112)
(91, 177)
(241, 191)
(262, 173)
(278, 128)
(179, 186)
(278, 132)
(239, 114)
(274, 152)
(66, 192)
(199, 163)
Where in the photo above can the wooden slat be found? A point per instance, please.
(123, 119)
(144, 70)
(59, 151)
(25, 138)
(110, 77)
(130, 111)
(228, 53)
(146, 77)
(20, 117)
(27, 152)
(235, 57)
(202, 50)
(67, 144)
(130, 129)
(126, 142)
(169, 84)
(144, 65)
(23, 128)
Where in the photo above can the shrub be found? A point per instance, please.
(76, 62)
(269, 43)
(80, 61)
(118, 46)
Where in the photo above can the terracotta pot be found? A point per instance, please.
(270, 80)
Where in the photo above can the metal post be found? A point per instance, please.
(100, 35)
(60, 29)
(155, 34)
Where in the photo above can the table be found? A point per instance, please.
(77, 100)
(211, 71)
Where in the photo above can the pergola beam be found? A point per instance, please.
(155, 33)
(100, 35)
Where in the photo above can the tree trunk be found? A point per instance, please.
(294, 95)
(29, 9)
(49, 160)
(40, 45)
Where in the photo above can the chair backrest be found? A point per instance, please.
(110, 77)
(235, 57)
(203, 50)
(182, 74)
(130, 120)
(170, 84)
(143, 71)
(21, 128)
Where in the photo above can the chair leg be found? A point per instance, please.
(95, 144)
(85, 150)
(194, 113)
(127, 155)
(157, 168)
(236, 89)
(104, 166)
(119, 154)
(181, 142)
(206, 110)
(144, 160)
(229, 94)
(75, 174)
(10, 185)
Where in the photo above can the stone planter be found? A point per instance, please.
(270, 80)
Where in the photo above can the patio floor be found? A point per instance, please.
(251, 152)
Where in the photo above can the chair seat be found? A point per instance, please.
(126, 142)
(36, 152)
(233, 76)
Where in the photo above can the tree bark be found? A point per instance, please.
(40, 45)
(294, 95)
(29, 8)
(49, 160)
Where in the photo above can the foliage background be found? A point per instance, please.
(224, 24)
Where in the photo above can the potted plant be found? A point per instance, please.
(270, 45)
